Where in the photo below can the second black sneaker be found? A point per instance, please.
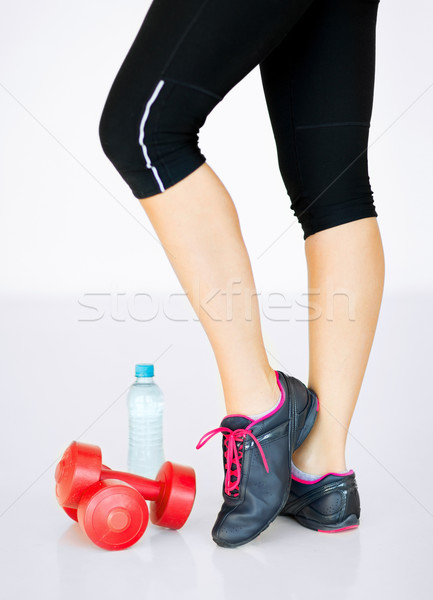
(328, 504)
(257, 462)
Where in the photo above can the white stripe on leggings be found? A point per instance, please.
(141, 136)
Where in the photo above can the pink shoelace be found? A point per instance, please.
(233, 454)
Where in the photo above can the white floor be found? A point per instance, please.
(65, 377)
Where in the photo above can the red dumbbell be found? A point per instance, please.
(112, 513)
(72, 512)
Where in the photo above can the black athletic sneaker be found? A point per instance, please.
(328, 504)
(257, 462)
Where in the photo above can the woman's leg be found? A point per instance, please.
(321, 115)
(186, 57)
(198, 226)
(346, 272)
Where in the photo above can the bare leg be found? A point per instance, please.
(346, 267)
(198, 225)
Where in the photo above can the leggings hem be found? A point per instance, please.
(335, 220)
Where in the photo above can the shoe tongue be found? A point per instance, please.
(235, 422)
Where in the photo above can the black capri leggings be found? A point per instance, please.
(317, 63)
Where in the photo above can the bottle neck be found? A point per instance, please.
(144, 380)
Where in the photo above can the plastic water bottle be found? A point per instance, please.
(145, 410)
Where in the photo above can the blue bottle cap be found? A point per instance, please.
(144, 370)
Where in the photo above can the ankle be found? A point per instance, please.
(258, 400)
(320, 463)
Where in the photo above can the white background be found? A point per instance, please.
(70, 229)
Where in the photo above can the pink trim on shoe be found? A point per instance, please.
(322, 477)
(337, 530)
(236, 415)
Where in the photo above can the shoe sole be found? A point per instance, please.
(350, 522)
(309, 422)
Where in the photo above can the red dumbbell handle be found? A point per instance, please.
(148, 488)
